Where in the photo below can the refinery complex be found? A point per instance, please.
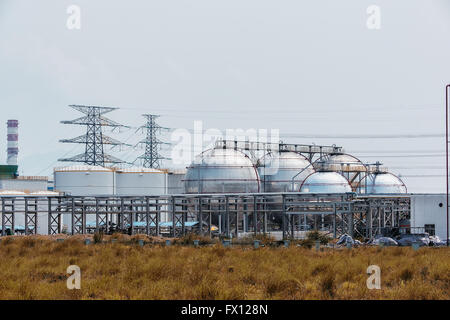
(235, 188)
(216, 158)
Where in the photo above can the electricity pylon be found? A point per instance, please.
(94, 139)
(151, 158)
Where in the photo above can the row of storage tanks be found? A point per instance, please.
(232, 171)
(86, 180)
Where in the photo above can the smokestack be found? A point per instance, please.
(13, 145)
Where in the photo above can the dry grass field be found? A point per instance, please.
(35, 268)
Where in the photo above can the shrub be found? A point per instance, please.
(98, 237)
(36, 269)
(189, 238)
(314, 236)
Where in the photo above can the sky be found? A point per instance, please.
(312, 69)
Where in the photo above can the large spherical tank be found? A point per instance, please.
(278, 169)
(221, 171)
(382, 182)
(326, 182)
(138, 181)
(342, 162)
(84, 180)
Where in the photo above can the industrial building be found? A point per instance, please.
(428, 214)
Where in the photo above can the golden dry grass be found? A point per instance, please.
(35, 268)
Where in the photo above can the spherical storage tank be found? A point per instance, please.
(342, 162)
(141, 181)
(221, 171)
(278, 169)
(325, 182)
(382, 182)
(84, 180)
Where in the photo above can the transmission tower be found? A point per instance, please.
(94, 139)
(151, 158)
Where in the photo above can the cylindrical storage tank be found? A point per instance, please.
(84, 180)
(382, 182)
(175, 178)
(221, 171)
(138, 181)
(277, 171)
(12, 193)
(325, 182)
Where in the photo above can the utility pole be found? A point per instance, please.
(151, 158)
(94, 139)
(447, 96)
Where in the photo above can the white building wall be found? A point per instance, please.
(23, 185)
(429, 209)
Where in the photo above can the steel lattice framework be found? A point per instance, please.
(290, 215)
(94, 139)
(151, 158)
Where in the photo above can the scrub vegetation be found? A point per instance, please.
(34, 267)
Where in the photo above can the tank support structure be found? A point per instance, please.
(282, 215)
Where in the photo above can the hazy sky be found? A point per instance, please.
(309, 68)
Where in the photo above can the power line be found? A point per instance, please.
(422, 175)
(364, 136)
(406, 156)
(342, 136)
(255, 109)
(375, 151)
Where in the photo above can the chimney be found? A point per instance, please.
(13, 145)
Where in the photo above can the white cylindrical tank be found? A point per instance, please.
(326, 182)
(283, 172)
(12, 193)
(175, 180)
(84, 180)
(221, 171)
(139, 181)
(381, 182)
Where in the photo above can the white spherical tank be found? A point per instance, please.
(341, 162)
(138, 181)
(381, 182)
(221, 171)
(84, 180)
(326, 182)
(283, 172)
